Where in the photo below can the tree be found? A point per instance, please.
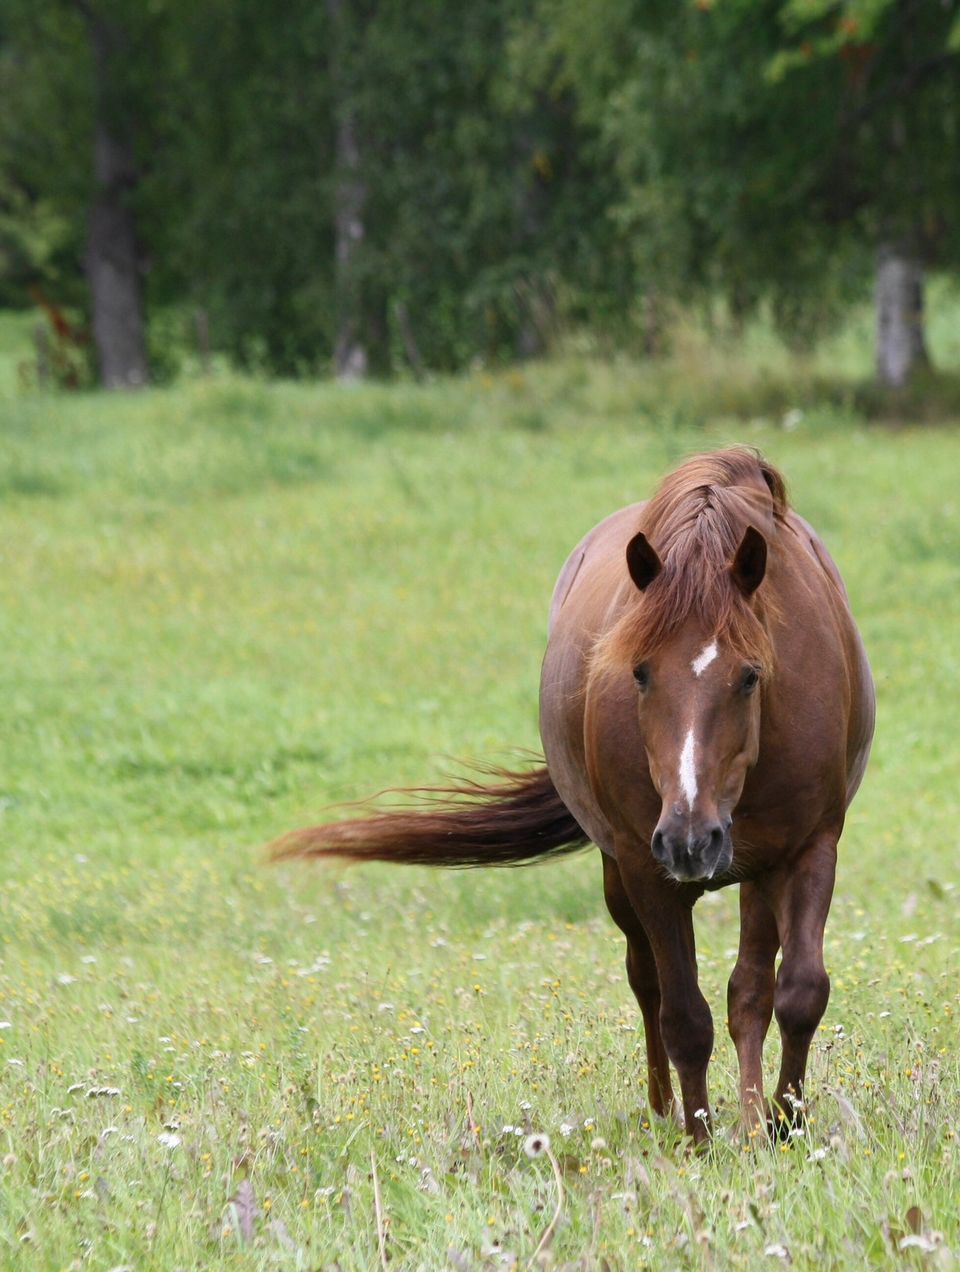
(236, 204)
(112, 257)
(72, 79)
(768, 149)
(360, 299)
(370, 186)
(896, 90)
(376, 186)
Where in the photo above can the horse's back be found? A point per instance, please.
(606, 541)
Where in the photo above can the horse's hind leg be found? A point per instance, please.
(750, 1001)
(642, 975)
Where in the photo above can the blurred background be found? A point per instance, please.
(371, 188)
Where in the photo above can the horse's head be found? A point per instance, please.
(699, 706)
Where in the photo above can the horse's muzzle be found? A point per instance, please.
(692, 853)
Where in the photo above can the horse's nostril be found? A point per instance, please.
(656, 845)
(716, 839)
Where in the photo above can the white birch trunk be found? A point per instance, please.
(900, 343)
(350, 357)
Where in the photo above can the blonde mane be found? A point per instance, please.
(696, 521)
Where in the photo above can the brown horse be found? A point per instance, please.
(706, 709)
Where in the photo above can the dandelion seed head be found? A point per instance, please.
(916, 1241)
(537, 1144)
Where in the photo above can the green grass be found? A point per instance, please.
(226, 605)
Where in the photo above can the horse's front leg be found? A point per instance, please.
(645, 983)
(686, 1025)
(750, 995)
(800, 899)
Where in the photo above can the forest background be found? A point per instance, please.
(387, 187)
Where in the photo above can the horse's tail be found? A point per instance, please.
(511, 821)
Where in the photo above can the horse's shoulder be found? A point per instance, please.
(610, 531)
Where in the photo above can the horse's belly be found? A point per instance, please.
(561, 731)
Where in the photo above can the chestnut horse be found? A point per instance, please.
(706, 710)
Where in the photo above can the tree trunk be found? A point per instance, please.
(351, 360)
(361, 343)
(534, 297)
(901, 346)
(111, 262)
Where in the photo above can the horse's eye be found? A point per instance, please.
(749, 680)
(641, 674)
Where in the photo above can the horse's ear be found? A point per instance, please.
(642, 561)
(750, 564)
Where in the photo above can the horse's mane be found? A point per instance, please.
(695, 521)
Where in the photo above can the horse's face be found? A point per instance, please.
(699, 708)
(700, 720)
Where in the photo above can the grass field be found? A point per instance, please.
(227, 605)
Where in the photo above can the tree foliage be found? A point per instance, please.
(766, 147)
(526, 165)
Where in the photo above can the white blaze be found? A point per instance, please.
(704, 658)
(688, 773)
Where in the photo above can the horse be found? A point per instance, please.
(706, 713)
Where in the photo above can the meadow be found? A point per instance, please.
(227, 605)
